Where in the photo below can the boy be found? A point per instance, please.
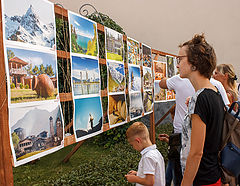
(151, 169)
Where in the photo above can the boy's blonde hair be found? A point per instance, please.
(137, 129)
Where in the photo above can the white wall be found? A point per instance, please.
(164, 24)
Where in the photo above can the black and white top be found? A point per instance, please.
(209, 106)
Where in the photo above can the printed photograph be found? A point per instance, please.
(88, 117)
(133, 51)
(134, 78)
(170, 66)
(160, 70)
(32, 75)
(147, 56)
(147, 78)
(148, 101)
(117, 109)
(159, 93)
(170, 95)
(136, 105)
(83, 35)
(34, 130)
(31, 22)
(116, 77)
(85, 76)
(114, 45)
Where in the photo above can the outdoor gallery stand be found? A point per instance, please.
(6, 173)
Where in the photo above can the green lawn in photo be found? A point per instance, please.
(28, 95)
(115, 57)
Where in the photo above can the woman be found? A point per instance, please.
(202, 128)
(226, 75)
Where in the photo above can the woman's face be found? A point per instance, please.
(183, 65)
(218, 76)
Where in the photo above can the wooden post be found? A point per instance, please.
(6, 173)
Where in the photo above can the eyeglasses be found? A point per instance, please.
(179, 58)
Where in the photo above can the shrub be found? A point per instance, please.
(105, 170)
(113, 136)
(21, 86)
(26, 86)
(12, 85)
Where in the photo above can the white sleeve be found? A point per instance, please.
(149, 166)
(171, 82)
(221, 89)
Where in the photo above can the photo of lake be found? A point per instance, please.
(85, 76)
(83, 35)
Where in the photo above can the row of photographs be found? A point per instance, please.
(85, 77)
(35, 117)
(31, 66)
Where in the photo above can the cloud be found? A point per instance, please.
(75, 22)
(34, 60)
(85, 34)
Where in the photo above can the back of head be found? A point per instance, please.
(201, 55)
(137, 129)
(232, 78)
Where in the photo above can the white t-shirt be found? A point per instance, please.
(152, 162)
(221, 89)
(183, 89)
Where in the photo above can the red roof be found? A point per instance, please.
(17, 60)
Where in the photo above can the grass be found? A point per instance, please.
(115, 57)
(90, 165)
(27, 95)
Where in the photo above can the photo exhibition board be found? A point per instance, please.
(85, 77)
(160, 70)
(134, 80)
(171, 71)
(133, 50)
(147, 78)
(116, 79)
(35, 118)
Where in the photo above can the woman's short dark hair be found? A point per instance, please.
(201, 55)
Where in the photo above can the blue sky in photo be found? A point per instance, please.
(84, 27)
(36, 58)
(85, 106)
(135, 70)
(81, 63)
(13, 7)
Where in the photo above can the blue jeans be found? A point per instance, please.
(170, 172)
(173, 173)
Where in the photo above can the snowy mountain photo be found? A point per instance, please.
(116, 78)
(27, 24)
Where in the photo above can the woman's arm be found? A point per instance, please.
(196, 150)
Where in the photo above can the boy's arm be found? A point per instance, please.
(148, 180)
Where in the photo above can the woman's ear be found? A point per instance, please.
(225, 76)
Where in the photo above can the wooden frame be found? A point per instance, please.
(6, 174)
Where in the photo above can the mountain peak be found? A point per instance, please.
(31, 12)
